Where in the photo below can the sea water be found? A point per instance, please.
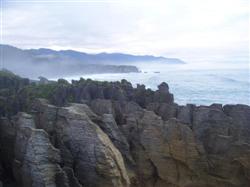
(191, 85)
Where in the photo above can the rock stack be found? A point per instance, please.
(114, 135)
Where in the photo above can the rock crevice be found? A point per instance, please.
(99, 134)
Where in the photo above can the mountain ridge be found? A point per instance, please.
(53, 64)
(116, 55)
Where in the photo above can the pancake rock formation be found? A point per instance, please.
(100, 134)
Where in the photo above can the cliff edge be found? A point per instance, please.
(109, 134)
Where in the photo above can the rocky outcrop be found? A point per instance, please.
(76, 134)
(102, 164)
(240, 115)
(30, 156)
(120, 136)
(36, 161)
(102, 106)
(156, 144)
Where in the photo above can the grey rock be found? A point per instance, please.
(165, 110)
(162, 95)
(241, 118)
(102, 106)
(102, 164)
(185, 114)
(36, 162)
(110, 127)
(209, 123)
(73, 181)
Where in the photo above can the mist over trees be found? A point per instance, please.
(33, 63)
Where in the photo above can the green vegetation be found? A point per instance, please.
(40, 91)
(17, 93)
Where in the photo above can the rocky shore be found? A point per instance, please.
(109, 134)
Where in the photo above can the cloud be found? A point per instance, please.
(161, 27)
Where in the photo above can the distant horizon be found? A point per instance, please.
(194, 31)
(209, 65)
(246, 60)
(80, 51)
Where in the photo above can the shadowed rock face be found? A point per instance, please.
(34, 160)
(84, 146)
(95, 160)
(119, 136)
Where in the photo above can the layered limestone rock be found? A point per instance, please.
(84, 146)
(227, 150)
(240, 115)
(119, 136)
(102, 164)
(173, 144)
(34, 161)
(156, 144)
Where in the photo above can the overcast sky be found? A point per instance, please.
(194, 30)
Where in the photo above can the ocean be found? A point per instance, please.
(199, 86)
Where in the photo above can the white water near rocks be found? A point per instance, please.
(190, 85)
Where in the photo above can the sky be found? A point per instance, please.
(197, 31)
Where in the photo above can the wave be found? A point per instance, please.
(227, 79)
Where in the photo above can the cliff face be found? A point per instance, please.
(99, 134)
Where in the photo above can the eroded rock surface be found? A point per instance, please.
(34, 160)
(84, 146)
(114, 135)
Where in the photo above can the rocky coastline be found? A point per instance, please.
(109, 134)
